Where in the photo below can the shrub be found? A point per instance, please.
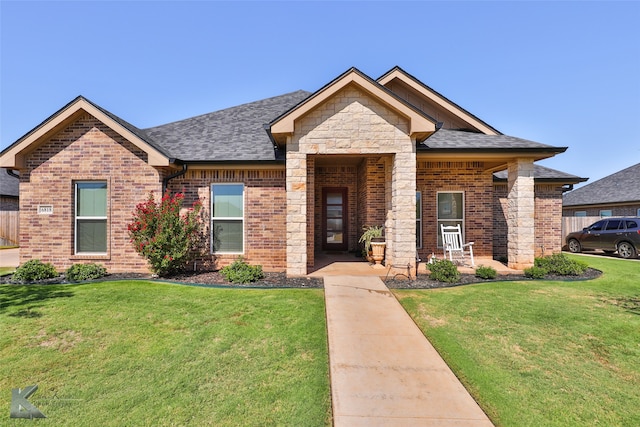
(535, 272)
(444, 271)
(561, 265)
(80, 272)
(486, 272)
(241, 272)
(167, 239)
(34, 270)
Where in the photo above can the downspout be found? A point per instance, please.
(165, 181)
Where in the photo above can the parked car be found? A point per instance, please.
(609, 235)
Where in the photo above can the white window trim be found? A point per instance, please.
(233, 218)
(76, 218)
(461, 220)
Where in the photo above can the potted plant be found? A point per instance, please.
(369, 233)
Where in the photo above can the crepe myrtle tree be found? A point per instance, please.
(163, 235)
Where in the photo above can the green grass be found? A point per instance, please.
(156, 354)
(6, 270)
(543, 353)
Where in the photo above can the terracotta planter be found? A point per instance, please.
(378, 252)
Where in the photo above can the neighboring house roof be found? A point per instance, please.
(9, 185)
(544, 174)
(233, 134)
(620, 187)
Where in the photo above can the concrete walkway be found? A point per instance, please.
(384, 372)
(9, 257)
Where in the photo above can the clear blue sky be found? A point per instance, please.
(559, 73)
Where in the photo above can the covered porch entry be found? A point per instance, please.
(347, 193)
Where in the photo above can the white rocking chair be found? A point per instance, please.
(452, 243)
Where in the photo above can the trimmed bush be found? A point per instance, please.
(81, 272)
(486, 272)
(535, 272)
(444, 271)
(561, 265)
(167, 239)
(34, 270)
(241, 272)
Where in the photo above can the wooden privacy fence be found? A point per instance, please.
(9, 227)
(576, 223)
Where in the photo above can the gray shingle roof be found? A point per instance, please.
(8, 184)
(623, 186)
(232, 134)
(446, 139)
(543, 173)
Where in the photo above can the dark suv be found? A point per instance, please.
(610, 235)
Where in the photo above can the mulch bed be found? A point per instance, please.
(280, 280)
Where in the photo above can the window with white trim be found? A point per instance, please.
(418, 220)
(580, 213)
(90, 217)
(450, 209)
(227, 218)
(606, 212)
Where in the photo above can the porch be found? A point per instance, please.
(349, 265)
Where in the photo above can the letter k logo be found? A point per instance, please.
(21, 407)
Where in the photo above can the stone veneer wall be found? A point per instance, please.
(548, 219)
(264, 216)
(85, 150)
(350, 123)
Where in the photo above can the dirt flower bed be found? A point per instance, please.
(280, 280)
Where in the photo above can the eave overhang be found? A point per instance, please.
(420, 124)
(495, 159)
(14, 156)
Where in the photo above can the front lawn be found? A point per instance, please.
(145, 353)
(542, 353)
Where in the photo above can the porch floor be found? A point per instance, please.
(349, 264)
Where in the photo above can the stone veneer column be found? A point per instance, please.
(520, 214)
(402, 247)
(296, 213)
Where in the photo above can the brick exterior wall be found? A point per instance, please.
(9, 203)
(477, 185)
(618, 210)
(264, 215)
(548, 219)
(85, 150)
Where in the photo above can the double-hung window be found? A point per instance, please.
(227, 218)
(450, 211)
(91, 217)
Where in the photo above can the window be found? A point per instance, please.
(580, 213)
(91, 217)
(227, 218)
(605, 212)
(450, 211)
(638, 213)
(418, 220)
(614, 224)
